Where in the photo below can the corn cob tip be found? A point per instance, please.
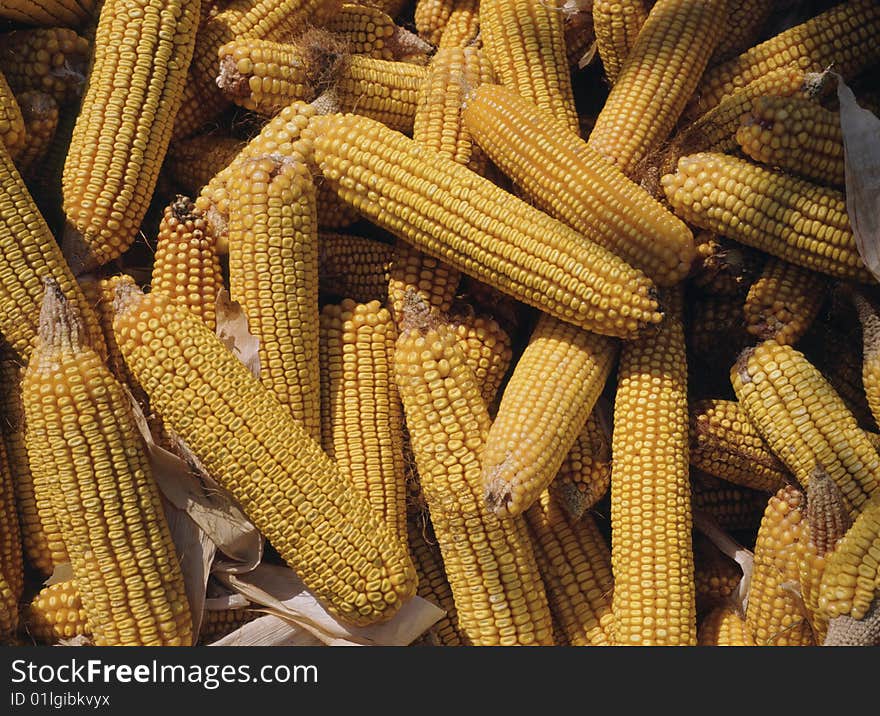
(416, 314)
(77, 252)
(60, 326)
(183, 208)
(870, 320)
(846, 631)
(827, 516)
(498, 494)
(740, 367)
(126, 297)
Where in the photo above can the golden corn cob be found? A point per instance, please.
(716, 330)
(431, 16)
(70, 13)
(731, 506)
(585, 474)
(217, 623)
(11, 567)
(273, 274)
(783, 302)
(775, 613)
(12, 129)
(723, 267)
(192, 163)
(53, 60)
(617, 24)
(794, 220)
(724, 443)
(81, 427)
(574, 184)
(355, 152)
(40, 114)
(716, 576)
(55, 613)
(433, 584)
(463, 26)
(797, 135)
(361, 417)
(745, 20)
(251, 444)
(256, 20)
(575, 564)
(489, 562)
(524, 42)
(186, 265)
(544, 407)
(870, 320)
(652, 555)
(354, 267)
(123, 128)
(411, 270)
(486, 348)
(804, 421)
(657, 79)
(851, 578)
(366, 30)
(724, 626)
(844, 37)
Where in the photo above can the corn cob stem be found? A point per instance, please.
(352, 152)
(723, 267)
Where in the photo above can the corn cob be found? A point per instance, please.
(123, 129)
(575, 564)
(40, 114)
(844, 37)
(745, 20)
(524, 42)
(799, 222)
(716, 576)
(11, 567)
(253, 446)
(431, 16)
(192, 163)
(489, 562)
(55, 613)
(366, 30)
(716, 330)
(796, 135)
(846, 631)
(585, 475)
(724, 626)
(574, 184)
(390, 7)
(462, 29)
(804, 421)
(775, 614)
(353, 153)
(488, 299)
(361, 418)
(731, 506)
(12, 130)
(217, 623)
(580, 36)
(51, 60)
(617, 24)
(255, 20)
(186, 266)
(411, 270)
(725, 444)
(486, 348)
(354, 267)
(657, 79)
(70, 13)
(723, 267)
(433, 584)
(652, 555)
(870, 320)
(80, 426)
(540, 417)
(783, 302)
(273, 274)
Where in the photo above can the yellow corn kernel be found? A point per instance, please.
(731, 506)
(70, 13)
(723, 268)
(574, 184)
(657, 79)
(366, 30)
(544, 407)
(251, 444)
(716, 576)
(12, 129)
(524, 42)
(486, 348)
(431, 16)
(433, 584)
(411, 270)
(795, 134)
(783, 302)
(361, 417)
(55, 613)
(186, 265)
(489, 562)
(651, 551)
(480, 229)
(844, 38)
(40, 114)
(80, 426)
(804, 420)
(123, 128)
(724, 443)
(354, 267)
(217, 623)
(575, 564)
(724, 626)
(745, 20)
(794, 220)
(870, 320)
(53, 60)
(585, 475)
(273, 274)
(192, 163)
(463, 26)
(617, 24)
(11, 567)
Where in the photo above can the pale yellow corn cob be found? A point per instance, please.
(430, 18)
(463, 26)
(486, 347)
(724, 626)
(55, 613)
